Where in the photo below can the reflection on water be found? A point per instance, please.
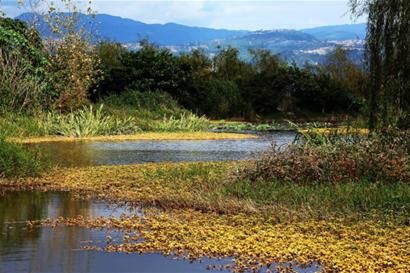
(46, 249)
(131, 152)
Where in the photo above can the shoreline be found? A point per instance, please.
(149, 136)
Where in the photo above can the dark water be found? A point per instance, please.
(44, 249)
(132, 152)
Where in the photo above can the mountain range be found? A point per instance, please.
(300, 45)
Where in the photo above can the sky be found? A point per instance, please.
(227, 14)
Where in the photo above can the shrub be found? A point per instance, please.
(382, 158)
(23, 68)
(154, 101)
(75, 70)
(16, 161)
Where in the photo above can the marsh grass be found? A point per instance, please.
(16, 161)
(186, 122)
(19, 125)
(88, 121)
(323, 201)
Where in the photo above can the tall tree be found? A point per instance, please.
(388, 59)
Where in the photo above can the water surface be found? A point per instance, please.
(133, 152)
(46, 249)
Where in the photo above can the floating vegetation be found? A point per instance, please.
(257, 243)
(137, 137)
(189, 213)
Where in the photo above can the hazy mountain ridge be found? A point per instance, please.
(123, 30)
(338, 32)
(308, 45)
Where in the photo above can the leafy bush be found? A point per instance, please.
(74, 71)
(24, 78)
(382, 158)
(16, 161)
(88, 122)
(155, 101)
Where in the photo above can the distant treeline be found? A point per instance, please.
(226, 86)
(67, 73)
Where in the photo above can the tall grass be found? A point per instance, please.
(155, 111)
(20, 125)
(16, 161)
(325, 200)
(185, 122)
(88, 122)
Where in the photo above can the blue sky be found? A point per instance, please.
(229, 14)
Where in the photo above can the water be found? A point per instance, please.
(44, 249)
(133, 152)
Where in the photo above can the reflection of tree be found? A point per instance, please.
(67, 153)
(45, 248)
(15, 209)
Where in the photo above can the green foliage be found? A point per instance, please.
(344, 198)
(153, 69)
(217, 98)
(16, 161)
(20, 125)
(16, 37)
(88, 122)
(24, 83)
(185, 122)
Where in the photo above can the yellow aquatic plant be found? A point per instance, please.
(254, 242)
(138, 137)
(337, 131)
(186, 214)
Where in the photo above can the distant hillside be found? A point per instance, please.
(308, 45)
(339, 32)
(282, 42)
(123, 30)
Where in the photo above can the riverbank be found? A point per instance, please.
(190, 211)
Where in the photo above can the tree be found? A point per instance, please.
(24, 84)
(388, 60)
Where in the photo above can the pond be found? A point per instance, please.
(46, 249)
(70, 154)
(60, 249)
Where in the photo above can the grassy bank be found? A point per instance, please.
(210, 187)
(130, 113)
(352, 227)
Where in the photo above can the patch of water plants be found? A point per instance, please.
(238, 126)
